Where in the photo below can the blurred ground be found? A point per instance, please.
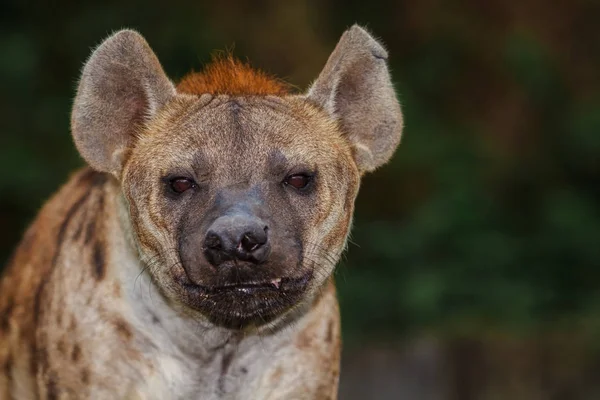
(475, 269)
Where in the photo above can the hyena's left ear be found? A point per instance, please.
(122, 86)
(356, 89)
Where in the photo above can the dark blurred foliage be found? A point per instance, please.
(487, 219)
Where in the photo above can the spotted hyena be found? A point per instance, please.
(193, 258)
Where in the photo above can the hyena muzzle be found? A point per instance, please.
(193, 257)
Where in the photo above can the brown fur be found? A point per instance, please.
(110, 294)
(226, 75)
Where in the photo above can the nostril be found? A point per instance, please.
(213, 241)
(252, 241)
(249, 243)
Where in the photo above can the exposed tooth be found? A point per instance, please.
(276, 282)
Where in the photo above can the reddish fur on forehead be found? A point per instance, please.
(227, 75)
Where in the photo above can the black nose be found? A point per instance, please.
(237, 237)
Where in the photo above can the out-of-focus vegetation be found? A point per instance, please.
(487, 219)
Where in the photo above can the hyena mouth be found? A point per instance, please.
(282, 285)
(239, 305)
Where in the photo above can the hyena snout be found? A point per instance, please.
(237, 238)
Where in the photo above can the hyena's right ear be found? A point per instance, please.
(121, 87)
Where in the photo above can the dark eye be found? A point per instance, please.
(180, 185)
(298, 181)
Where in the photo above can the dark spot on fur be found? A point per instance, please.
(276, 375)
(77, 233)
(244, 370)
(90, 229)
(8, 369)
(227, 350)
(93, 178)
(303, 342)
(40, 359)
(33, 358)
(52, 387)
(5, 316)
(85, 376)
(225, 363)
(98, 260)
(155, 319)
(329, 334)
(123, 328)
(88, 176)
(61, 347)
(76, 354)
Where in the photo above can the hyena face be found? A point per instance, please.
(241, 204)
(239, 196)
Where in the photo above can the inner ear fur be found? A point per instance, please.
(122, 85)
(355, 88)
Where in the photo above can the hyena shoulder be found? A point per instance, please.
(64, 225)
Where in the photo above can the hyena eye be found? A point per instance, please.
(298, 181)
(180, 185)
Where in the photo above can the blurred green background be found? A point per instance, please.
(474, 268)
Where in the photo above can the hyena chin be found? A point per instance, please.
(193, 257)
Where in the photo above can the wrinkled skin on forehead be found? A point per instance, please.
(239, 150)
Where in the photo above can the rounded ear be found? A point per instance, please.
(355, 88)
(122, 85)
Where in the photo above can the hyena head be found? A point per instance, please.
(239, 194)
